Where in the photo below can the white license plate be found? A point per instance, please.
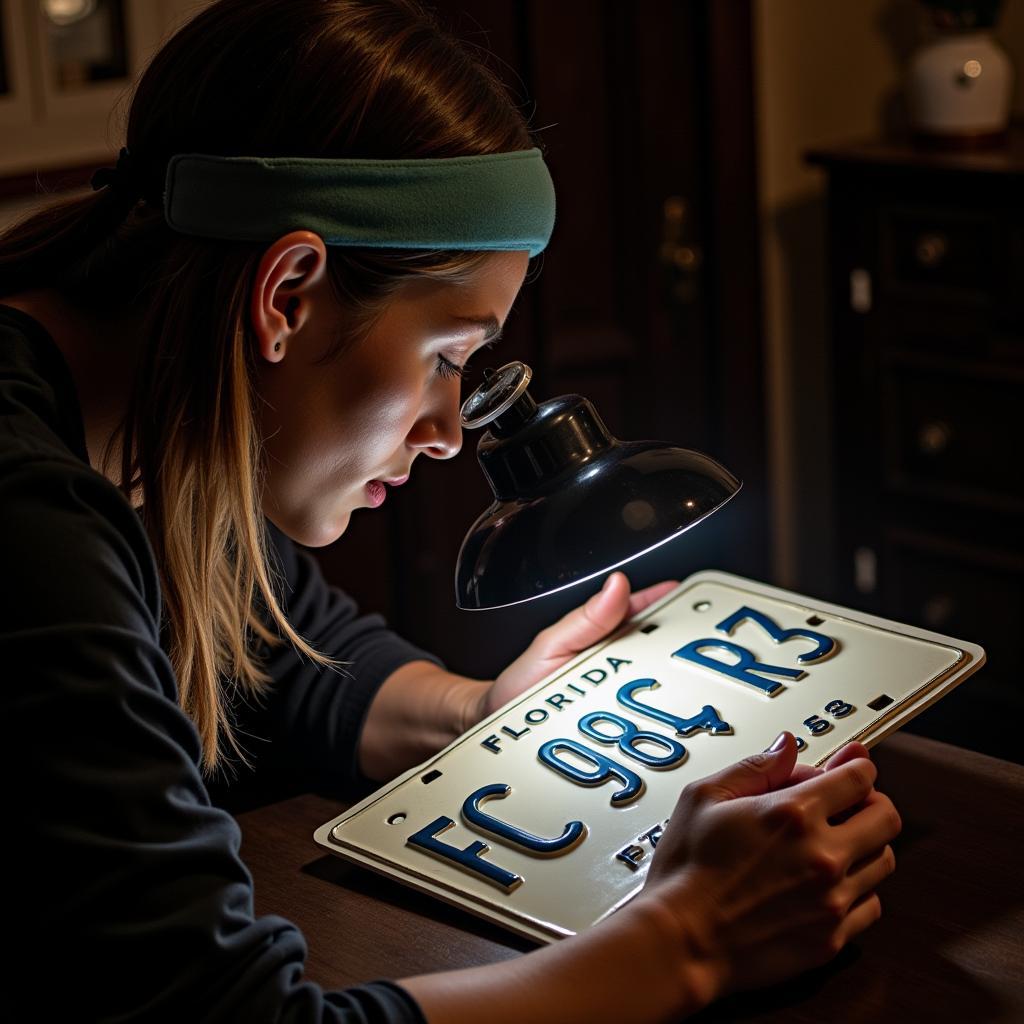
(544, 818)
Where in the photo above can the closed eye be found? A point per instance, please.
(446, 368)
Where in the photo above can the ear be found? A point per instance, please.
(283, 290)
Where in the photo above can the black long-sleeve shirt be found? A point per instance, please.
(128, 896)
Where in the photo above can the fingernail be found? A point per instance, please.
(607, 583)
(780, 742)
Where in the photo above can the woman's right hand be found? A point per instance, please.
(767, 868)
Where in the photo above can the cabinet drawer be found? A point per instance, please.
(941, 254)
(953, 431)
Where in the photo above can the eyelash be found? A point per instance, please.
(446, 368)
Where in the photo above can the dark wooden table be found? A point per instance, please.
(949, 947)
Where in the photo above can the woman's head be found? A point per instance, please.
(337, 429)
(214, 408)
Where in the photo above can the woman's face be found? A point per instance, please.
(337, 434)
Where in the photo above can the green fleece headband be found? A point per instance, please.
(498, 201)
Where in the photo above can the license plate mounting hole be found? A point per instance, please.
(814, 620)
(396, 819)
(649, 628)
(430, 776)
(883, 700)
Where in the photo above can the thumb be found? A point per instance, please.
(588, 623)
(608, 607)
(759, 773)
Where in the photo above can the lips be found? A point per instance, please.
(376, 492)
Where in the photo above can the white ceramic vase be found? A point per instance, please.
(959, 86)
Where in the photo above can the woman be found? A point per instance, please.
(188, 386)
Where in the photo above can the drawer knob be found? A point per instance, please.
(933, 438)
(931, 249)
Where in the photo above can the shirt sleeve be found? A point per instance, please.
(126, 898)
(302, 735)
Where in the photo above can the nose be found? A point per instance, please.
(438, 430)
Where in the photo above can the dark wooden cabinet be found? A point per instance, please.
(926, 272)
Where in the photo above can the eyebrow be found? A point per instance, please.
(492, 329)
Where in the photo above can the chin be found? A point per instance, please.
(310, 531)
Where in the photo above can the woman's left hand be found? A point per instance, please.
(575, 632)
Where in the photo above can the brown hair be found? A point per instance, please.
(317, 78)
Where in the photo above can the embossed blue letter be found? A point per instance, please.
(468, 859)
(604, 769)
(743, 670)
(572, 834)
(706, 719)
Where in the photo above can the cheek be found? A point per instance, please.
(374, 418)
(352, 427)
(328, 431)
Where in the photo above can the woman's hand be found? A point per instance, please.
(553, 647)
(764, 872)
(421, 708)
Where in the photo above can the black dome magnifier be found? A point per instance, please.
(571, 501)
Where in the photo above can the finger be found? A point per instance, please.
(864, 913)
(801, 773)
(588, 623)
(870, 828)
(645, 598)
(843, 787)
(869, 873)
(845, 754)
(755, 775)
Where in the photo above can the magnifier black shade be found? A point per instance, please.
(571, 501)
